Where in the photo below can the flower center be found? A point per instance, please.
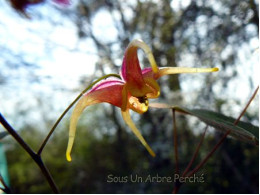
(143, 100)
(139, 104)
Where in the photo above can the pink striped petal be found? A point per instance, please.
(109, 90)
(106, 83)
(146, 71)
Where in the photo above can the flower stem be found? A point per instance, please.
(249, 102)
(6, 189)
(175, 142)
(17, 137)
(36, 157)
(177, 187)
(209, 154)
(195, 153)
(69, 107)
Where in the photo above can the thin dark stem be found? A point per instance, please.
(195, 153)
(247, 105)
(220, 141)
(17, 137)
(225, 135)
(209, 155)
(34, 156)
(68, 108)
(46, 173)
(177, 187)
(175, 142)
(6, 189)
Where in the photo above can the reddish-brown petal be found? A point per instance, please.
(131, 70)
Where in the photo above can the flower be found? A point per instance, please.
(62, 2)
(21, 5)
(131, 92)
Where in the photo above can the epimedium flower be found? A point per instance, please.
(62, 2)
(21, 5)
(131, 92)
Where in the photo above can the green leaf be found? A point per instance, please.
(3, 134)
(242, 131)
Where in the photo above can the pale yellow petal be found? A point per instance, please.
(80, 106)
(129, 122)
(178, 70)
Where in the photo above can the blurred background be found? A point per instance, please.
(46, 61)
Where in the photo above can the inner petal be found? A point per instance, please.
(131, 70)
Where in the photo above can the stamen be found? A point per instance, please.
(143, 100)
(138, 104)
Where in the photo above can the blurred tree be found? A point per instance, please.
(207, 32)
(199, 34)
